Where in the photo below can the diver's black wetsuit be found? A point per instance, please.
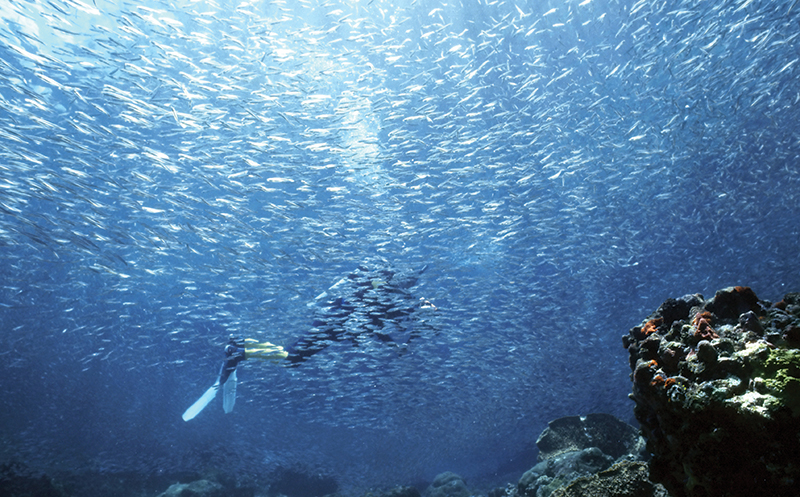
(367, 303)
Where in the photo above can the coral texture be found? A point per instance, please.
(717, 390)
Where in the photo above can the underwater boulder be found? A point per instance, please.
(575, 446)
(447, 484)
(717, 393)
(561, 469)
(508, 491)
(199, 488)
(624, 479)
(609, 434)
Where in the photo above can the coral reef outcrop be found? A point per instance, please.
(717, 390)
(624, 479)
(447, 484)
(574, 447)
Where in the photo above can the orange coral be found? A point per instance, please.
(652, 326)
(702, 324)
(660, 381)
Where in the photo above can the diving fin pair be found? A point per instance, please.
(228, 397)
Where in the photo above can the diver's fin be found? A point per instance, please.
(229, 393)
(202, 402)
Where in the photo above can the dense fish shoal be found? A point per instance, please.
(175, 172)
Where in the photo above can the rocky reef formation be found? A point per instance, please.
(591, 455)
(624, 479)
(575, 446)
(610, 435)
(447, 484)
(717, 389)
(198, 488)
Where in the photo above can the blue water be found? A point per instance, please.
(175, 172)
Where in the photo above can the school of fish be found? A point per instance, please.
(172, 172)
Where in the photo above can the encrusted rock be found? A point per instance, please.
(706, 352)
(561, 469)
(577, 446)
(199, 488)
(730, 303)
(719, 400)
(612, 436)
(447, 484)
(624, 479)
(507, 491)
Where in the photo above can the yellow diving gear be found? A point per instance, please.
(265, 351)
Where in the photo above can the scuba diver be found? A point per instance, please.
(365, 304)
(236, 351)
